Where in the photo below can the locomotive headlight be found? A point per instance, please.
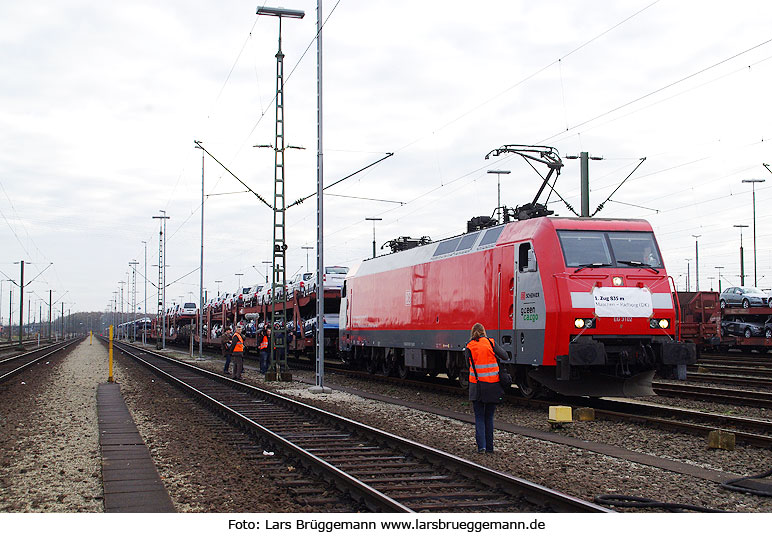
(659, 323)
(582, 323)
(617, 281)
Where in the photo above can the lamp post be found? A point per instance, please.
(498, 188)
(279, 314)
(238, 275)
(133, 263)
(697, 260)
(711, 278)
(201, 266)
(307, 248)
(753, 183)
(688, 275)
(218, 282)
(267, 264)
(144, 302)
(373, 219)
(719, 277)
(120, 324)
(162, 274)
(742, 259)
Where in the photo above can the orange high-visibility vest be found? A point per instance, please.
(484, 361)
(264, 343)
(239, 346)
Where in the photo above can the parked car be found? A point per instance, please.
(299, 284)
(268, 294)
(745, 297)
(220, 301)
(230, 302)
(738, 326)
(333, 278)
(188, 309)
(768, 327)
(250, 297)
(257, 296)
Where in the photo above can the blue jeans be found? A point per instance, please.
(263, 361)
(227, 362)
(483, 425)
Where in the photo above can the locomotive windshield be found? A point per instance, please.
(615, 248)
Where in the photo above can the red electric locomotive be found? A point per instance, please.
(583, 306)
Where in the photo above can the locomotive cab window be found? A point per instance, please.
(619, 249)
(635, 247)
(584, 247)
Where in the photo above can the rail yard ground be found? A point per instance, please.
(50, 459)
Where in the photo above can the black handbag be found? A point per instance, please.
(504, 378)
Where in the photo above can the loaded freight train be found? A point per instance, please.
(583, 306)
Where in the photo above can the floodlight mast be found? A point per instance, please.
(279, 311)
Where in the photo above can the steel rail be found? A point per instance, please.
(42, 352)
(744, 397)
(517, 489)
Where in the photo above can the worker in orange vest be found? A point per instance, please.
(264, 347)
(484, 388)
(238, 353)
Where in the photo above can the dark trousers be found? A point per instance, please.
(238, 364)
(227, 362)
(483, 425)
(263, 361)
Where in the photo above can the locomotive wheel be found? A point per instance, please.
(372, 366)
(387, 366)
(402, 371)
(529, 388)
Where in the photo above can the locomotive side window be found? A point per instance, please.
(584, 247)
(635, 247)
(448, 246)
(491, 235)
(467, 241)
(526, 258)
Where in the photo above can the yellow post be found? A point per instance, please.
(90, 337)
(110, 377)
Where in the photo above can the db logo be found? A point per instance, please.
(522, 295)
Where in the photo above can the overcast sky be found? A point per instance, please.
(100, 103)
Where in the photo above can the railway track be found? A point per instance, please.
(747, 430)
(7, 347)
(15, 364)
(380, 470)
(728, 379)
(754, 432)
(741, 397)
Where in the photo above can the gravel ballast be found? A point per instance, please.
(51, 462)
